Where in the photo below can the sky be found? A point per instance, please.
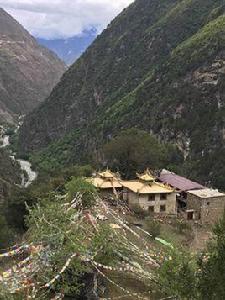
(52, 19)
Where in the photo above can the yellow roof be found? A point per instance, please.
(104, 184)
(147, 176)
(106, 174)
(144, 188)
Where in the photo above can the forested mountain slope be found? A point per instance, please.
(9, 174)
(159, 66)
(28, 71)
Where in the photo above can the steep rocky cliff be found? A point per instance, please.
(159, 66)
(28, 72)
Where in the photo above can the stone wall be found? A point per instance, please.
(194, 202)
(207, 210)
(156, 205)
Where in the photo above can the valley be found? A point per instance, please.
(156, 85)
(112, 168)
(27, 174)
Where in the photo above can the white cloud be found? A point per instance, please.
(63, 18)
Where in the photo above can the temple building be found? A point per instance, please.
(150, 195)
(107, 182)
(174, 194)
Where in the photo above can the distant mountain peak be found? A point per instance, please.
(71, 48)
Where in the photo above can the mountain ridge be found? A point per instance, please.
(28, 71)
(163, 73)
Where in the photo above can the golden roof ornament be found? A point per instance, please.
(147, 176)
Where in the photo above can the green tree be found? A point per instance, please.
(133, 150)
(212, 265)
(87, 190)
(65, 230)
(177, 276)
(200, 277)
(6, 233)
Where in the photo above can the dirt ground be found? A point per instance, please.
(194, 238)
(178, 232)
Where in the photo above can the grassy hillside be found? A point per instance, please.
(159, 66)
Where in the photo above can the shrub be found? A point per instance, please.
(10, 131)
(181, 226)
(177, 276)
(153, 227)
(77, 171)
(139, 211)
(6, 232)
(88, 191)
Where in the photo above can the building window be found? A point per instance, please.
(163, 196)
(151, 209)
(162, 208)
(151, 197)
(190, 215)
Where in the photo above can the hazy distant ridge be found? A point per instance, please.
(70, 49)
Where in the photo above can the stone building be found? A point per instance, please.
(205, 205)
(181, 184)
(150, 195)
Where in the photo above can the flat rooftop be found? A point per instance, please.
(206, 193)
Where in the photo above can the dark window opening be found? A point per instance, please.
(151, 209)
(162, 208)
(163, 196)
(190, 215)
(151, 197)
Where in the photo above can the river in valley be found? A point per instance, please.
(28, 175)
(27, 168)
(5, 141)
